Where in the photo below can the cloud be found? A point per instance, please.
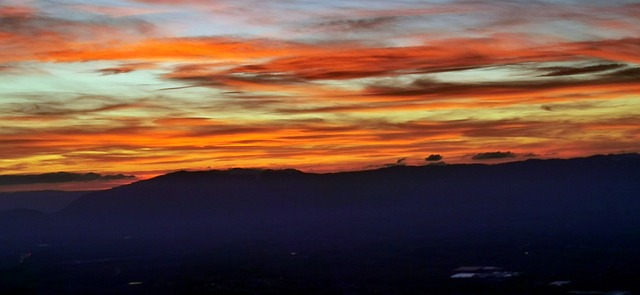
(115, 11)
(180, 49)
(629, 73)
(210, 76)
(568, 106)
(433, 157)
(18, 69)
(567, 71)
(171, 142)
(493, 155)
(59, 177)
(74, 105)
(115, 71)
(359, 24)
(308, 66)
(26, 32)
(126, 68)
(621, 50)
(28, 22)
(176, 2)
(412, 77)
(9, 69)
(80, 40)
(510, 92)
(365, 62)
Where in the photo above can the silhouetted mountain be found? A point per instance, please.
(394, 230)
(598, 193)
(45, 201)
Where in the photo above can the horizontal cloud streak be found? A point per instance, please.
(567, 71)
(59, 177)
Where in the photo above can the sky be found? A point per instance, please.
(144, 87)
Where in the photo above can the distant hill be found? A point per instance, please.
(57, 177)
(45, 201)
(599, 193)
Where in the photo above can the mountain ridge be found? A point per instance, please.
(400, 227)
(532, 190)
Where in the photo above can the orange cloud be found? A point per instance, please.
(623, 50)
(26, 33)
(127, 68)
(177, 142)
(175, 49)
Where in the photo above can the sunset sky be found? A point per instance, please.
(144, 87)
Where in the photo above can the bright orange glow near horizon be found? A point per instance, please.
(146, 87)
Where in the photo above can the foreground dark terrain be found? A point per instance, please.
(549, 226)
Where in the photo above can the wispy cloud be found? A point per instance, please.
(568, 71)
(126, 68)
(115, 11)
(26, 32)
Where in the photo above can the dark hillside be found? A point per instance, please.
(595, 194)
(396, 230)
